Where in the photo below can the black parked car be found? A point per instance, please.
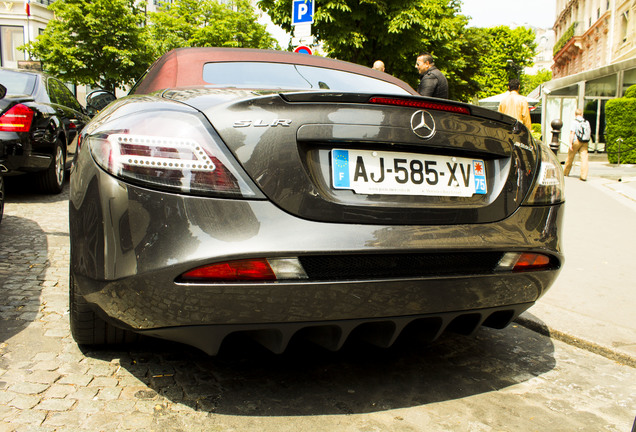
(283, 196)
(39, 123)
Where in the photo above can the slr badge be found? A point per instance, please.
(262, 123)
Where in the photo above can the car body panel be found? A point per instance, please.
(376, 265)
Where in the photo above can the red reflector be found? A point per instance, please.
(420, 104)
(230, 271)
(531, 261)
(17, 119)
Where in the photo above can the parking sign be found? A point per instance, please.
(302, 12)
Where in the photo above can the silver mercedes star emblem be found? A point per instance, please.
(423, 124)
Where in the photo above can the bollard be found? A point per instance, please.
(556, 124)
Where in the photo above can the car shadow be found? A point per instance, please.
(29, 247)
(306, 380)
(23, 264)
(23, 189)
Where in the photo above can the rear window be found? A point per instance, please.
(17, 83)
(292, 77)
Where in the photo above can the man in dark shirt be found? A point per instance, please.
(432, 81)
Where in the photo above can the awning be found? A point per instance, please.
(493, 102)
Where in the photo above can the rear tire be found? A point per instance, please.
(52, 179)
(89, 329)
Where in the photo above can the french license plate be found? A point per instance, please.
(396, 173)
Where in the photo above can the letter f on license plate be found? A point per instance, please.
(340, 162)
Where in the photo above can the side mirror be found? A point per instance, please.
(3, 91)
(97, 101)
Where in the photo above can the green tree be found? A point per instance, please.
(194, 23)
(395, 31)
(94, 42)
(531, 82)
(504, 54)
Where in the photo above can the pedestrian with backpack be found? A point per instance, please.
(580, 136)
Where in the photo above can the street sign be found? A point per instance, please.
(302, 12)
(303, 40)
(303, 49)
(302, 30)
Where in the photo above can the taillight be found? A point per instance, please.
(169, 150)
(415, 103)
(247, 270)
(549, 186)
(525, 261)
(17, 119)
(531, 261)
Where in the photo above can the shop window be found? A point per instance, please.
(605, 86)
(11, 37)
(629, 79)
(567, 91)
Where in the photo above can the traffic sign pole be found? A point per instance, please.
(302, 19)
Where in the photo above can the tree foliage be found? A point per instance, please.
(395, 31)
(531, 82)
(504, 53)
(94, 42)
(620, 135)
(197, 23)
(630, 92)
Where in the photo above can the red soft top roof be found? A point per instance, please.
(183, 67)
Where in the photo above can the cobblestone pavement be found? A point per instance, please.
(513, 379)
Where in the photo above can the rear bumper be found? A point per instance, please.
(203, 316)
(145, 302)
(129, 244)
(382, 332)
(16, 156)
(25, 164)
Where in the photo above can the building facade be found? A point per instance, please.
(544, 39)
(20, 23)
(594, 61)
(592, 34)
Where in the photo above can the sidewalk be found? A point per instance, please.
(592, 303)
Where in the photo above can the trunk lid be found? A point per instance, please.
(439, 163)
(9, 100)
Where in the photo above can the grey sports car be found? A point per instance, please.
(282, 196)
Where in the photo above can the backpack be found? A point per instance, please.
(583, 131)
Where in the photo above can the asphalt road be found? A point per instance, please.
(514, 379)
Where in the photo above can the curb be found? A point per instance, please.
(587, 345)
